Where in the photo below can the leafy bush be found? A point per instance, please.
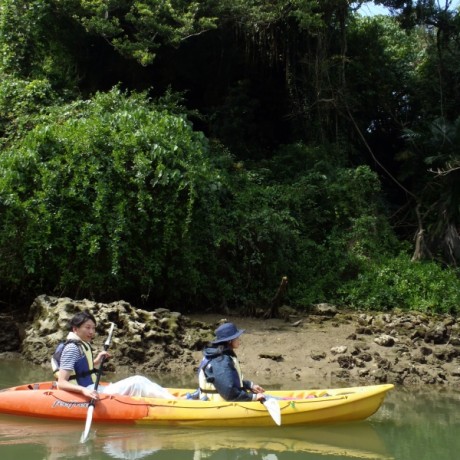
(99, 197)
(340, 222)
(399, 283)
(257, 243)
(21, 101)
(118, 196)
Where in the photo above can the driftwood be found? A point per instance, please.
(277, 300)
(421, 250)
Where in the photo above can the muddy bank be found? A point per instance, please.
(328, 347)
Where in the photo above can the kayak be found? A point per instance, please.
(297, 407)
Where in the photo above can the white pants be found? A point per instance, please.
(138, 386)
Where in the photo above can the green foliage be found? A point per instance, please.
(35, 43)
(21, 101)
(397, 282)
(119, 196)
(339, 222)
(37, 66)
(116, 196)
(138, 28)
(381, 64)
(260, 15)
(20, 26)
(432, 151)
(257, 241)
(100, 195)
(324, 192)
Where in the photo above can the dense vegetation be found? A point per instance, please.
(190, 154)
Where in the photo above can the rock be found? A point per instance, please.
(401, 369)
(447, 354)
(433, 377)
(363, 372)
(273, 356)
(340, 375)
(455, 372)
(437, 334)
(383, 363)
(365, 320)
(286, 312)
(379, 375)
(317, 355)
(143, 340)
(419, 333)
(385, 340)
(346, 362)
(360, 363)
(418, 357)
(426, 351)
(339, 350)
(412, 380)
(448, 321)
(364, 330)
(324, 309)
(384, 317)
(365, 357)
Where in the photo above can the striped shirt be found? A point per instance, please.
(70, 355)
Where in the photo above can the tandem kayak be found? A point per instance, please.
(297, 407)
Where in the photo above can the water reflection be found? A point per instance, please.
(58, 441)
(412, 404)
(421, 423)
(15, 371)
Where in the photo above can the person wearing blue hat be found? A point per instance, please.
(220, 375)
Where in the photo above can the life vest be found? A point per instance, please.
(84, 373)
(205, 380)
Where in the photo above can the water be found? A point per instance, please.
(411, 425)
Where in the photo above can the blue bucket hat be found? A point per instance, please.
(226, 332)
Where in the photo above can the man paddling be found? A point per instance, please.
(75, 367)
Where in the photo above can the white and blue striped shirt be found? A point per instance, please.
(70, 355)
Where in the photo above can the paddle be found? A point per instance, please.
(273, 409)
(89, 415)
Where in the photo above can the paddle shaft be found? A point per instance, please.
(101, 367)
(89, 416)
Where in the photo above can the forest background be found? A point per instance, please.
(193, 154)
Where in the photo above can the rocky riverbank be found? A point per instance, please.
(327, 347)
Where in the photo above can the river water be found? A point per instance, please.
(422, 424)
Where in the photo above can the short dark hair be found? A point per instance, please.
(80, 318)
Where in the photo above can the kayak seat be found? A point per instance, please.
(34, 386)
(46, 385)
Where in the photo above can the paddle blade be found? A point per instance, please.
(274, 409)
(89, 419)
